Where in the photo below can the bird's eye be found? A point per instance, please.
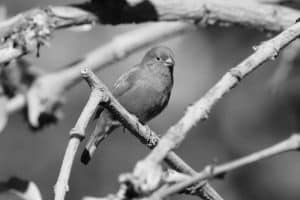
(158, 58)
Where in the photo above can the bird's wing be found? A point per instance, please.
(125, 82)
(121, 86)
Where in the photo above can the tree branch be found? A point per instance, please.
(199, 110)
(209, 172)
(28, 31)
(268, 17)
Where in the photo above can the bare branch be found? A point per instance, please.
(209, 172)
(199, 110)
(28, 31)
(268, 17)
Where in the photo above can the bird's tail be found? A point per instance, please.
(102, 130)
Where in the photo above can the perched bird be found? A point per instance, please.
(19, 189)
(144, 91)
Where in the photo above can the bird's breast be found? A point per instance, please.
(147, 98)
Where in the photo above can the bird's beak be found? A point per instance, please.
(170, 61)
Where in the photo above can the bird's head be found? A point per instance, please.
(161, 55)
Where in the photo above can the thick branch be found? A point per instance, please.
(28, 31)
(209, 12)
(147, 136)
(290, 144)
(200, 110)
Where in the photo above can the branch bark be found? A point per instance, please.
(270, 17)
(199, 110)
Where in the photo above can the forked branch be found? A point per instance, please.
(209, 172)
(77, 134)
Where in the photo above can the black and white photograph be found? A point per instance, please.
(149, 99)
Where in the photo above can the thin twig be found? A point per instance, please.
(28, 31)
(77, 134)
(199, 110)
(209, 172)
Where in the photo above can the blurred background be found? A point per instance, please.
(248, 119)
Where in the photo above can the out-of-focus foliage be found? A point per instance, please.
(248, 119)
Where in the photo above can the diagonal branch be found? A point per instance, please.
(28, 31)
(209, 172)
(146, 135)
(199, 110)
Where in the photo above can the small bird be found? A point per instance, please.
(144, 91)
(19, 189)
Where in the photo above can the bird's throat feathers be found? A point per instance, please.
(162, 73)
